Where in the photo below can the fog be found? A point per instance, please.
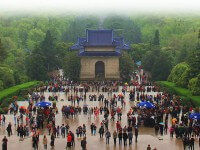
(101, 6)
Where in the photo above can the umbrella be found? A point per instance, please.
(43, 104)
(22, 107)
(139, 63)
(85, 105)
(162, 123)
(146, 105)
(194, 116)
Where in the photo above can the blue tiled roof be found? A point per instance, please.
(100, 38)
(120, 43)
(106, 53)
(76, 47)
(81, 40)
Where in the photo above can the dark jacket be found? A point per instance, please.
(120, 135)
(125, 136)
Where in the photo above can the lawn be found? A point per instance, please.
(181, 92)
(18, 90)
(15, 89)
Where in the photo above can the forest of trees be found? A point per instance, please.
(32, 46)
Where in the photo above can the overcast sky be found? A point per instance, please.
(102, 6)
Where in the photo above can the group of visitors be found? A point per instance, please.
(167, 115)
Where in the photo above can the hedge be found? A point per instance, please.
(18, 90)
(184, 93)
(15, 90)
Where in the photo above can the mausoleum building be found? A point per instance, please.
(100, 52)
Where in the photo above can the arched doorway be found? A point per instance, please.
(99, 70)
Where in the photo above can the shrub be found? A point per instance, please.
(5, 104)
(6, 75)
(8, 95)
(180, 74)
(1, 85)
(185, 94)
(5, 109)
(15, 90)
(194, 85)
(1, 111)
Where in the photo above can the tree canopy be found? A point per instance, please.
(31, 46)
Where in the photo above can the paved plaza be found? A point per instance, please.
(146, 135)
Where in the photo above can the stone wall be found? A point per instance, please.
(88, 67)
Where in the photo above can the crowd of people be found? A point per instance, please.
(168, 115)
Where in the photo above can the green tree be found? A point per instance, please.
(77, 27)
(156, 40)
(126, 66)
(35, 67)
(3, 52)
(162, 66)
(180, 74)
(6, 75)
(138, 51)
(148, 60)
(48, 52)
(35, 36)
(194, 62)
(123, 27)
(62, 49)
(182, 55)
(72, 66)
(194, 85)
(1, 85)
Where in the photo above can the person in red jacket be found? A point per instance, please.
(118, 125)
(69, 140)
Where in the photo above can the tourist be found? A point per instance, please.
(149, 147)
(107, 135)
(92, 128)
(58, 131)
(156, 127)
(73, 138)
(101, 131)
(15, 119)
(199, 139)
(166, 127)
(3, 120)
(130, 137)
(9, 129)
(27, 130)
(115, 137)
(4, 143)
(52, 140)
(35, 142)
(21, 132)
(45, 142)
(84, 130)
(125, 137)
(171, 131)
(185, 142)
(84, 143)
(192, 142)
(120, 137)
(63, 130)
(69, 140)
(136, 133)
